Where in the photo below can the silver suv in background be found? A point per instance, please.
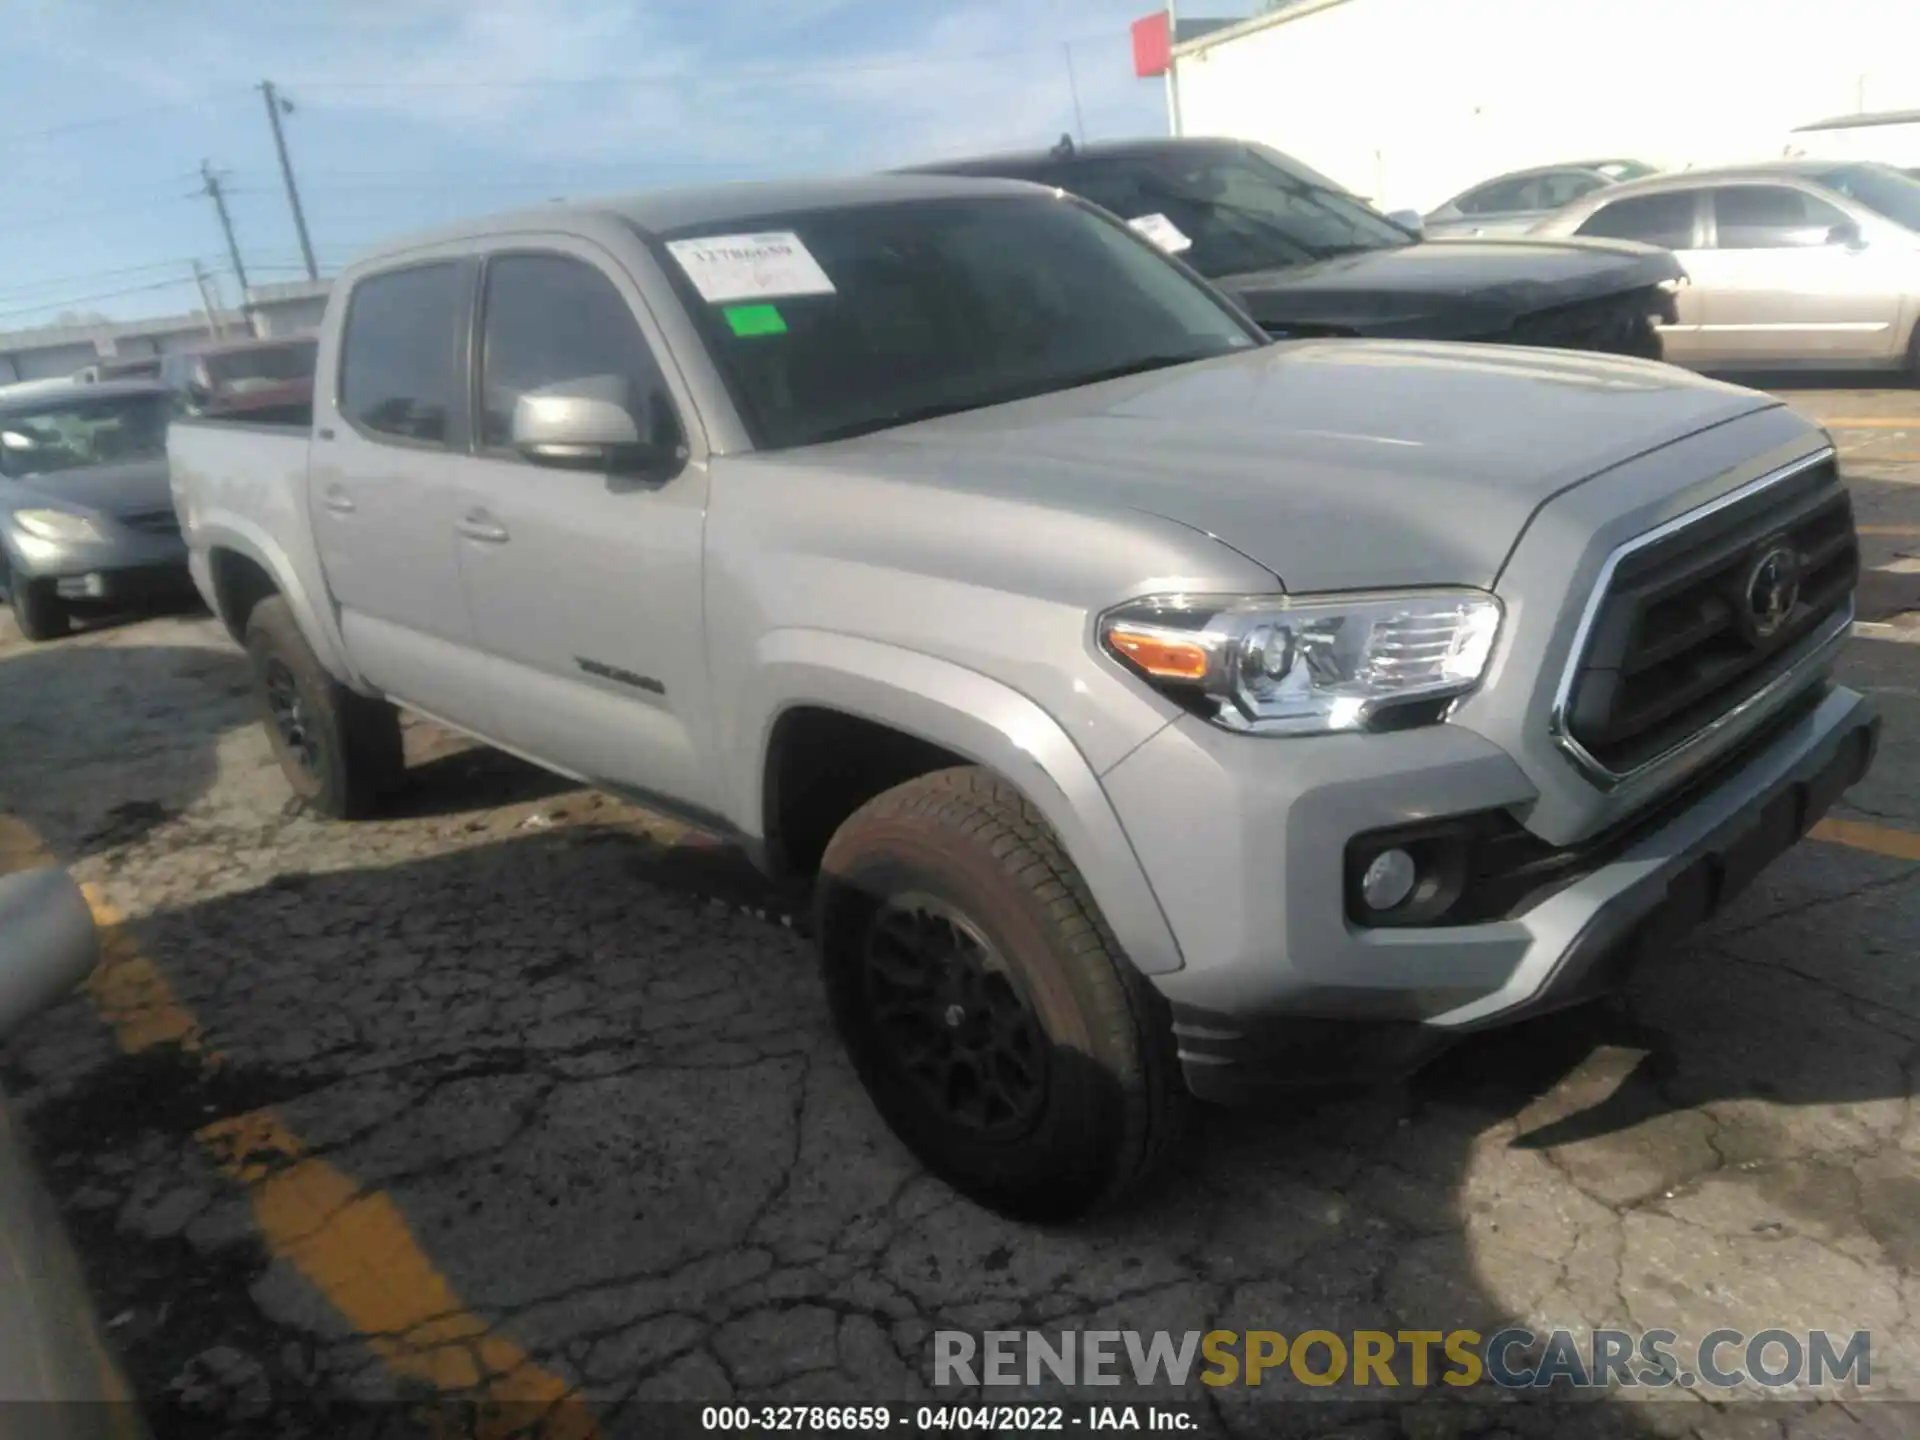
(1799, 264)
(1156, 711)
(86, 518)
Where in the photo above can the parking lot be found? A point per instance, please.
(524, 1093)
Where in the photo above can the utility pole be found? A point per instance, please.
(1173, 72)
(211, 182)
(276, 107)
(1073, 86)
(207, 302)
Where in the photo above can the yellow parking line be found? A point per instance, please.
(352, 1245)
(1888, 529)
(1879, 839)
(1863, 457)
(1872, 422)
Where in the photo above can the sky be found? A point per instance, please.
(412, 112)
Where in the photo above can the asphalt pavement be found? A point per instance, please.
(524, 1094)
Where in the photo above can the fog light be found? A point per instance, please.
(1389, 879)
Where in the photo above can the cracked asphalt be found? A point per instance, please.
(567, 1068)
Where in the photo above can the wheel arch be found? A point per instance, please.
(243, 565)
(951, 715)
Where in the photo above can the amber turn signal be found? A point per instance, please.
(1163, 657)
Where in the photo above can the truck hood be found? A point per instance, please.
(115, 490)
(1446, 289)
(1335, 464)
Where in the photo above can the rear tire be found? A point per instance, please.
(339, 751)
(986, 1008)
(37, 610)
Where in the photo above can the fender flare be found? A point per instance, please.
(316, 621)
(973, 716)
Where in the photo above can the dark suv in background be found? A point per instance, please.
(1307, 257)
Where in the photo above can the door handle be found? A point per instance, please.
(337, 500)
(479, 525)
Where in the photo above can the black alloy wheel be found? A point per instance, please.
(953, 1021)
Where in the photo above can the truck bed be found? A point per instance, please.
(242, 486)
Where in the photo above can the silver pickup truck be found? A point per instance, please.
(1158, 711)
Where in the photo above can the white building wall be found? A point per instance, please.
(52, 352)
(1411, 101)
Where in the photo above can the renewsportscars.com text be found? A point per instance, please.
(1513, 1359)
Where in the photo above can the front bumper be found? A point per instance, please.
(123, 567)
(1279, 988)
(133, 585)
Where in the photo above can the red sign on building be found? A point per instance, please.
(1153, 44)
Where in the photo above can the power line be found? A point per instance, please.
(17, 292)
(13, 227)
(100, 121)
(70, 301)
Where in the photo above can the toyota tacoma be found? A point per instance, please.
(1156, 710)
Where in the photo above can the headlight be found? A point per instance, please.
(1309, 665)
(55, 525)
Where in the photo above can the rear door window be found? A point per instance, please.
(1560, 187)
(1771, 217)
(1665, 220)
(1498, 198)
(399, 371)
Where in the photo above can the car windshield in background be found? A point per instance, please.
(925, 308)
(1882, 189)
(1240, 211)
(1621, 171)
(109, 430)
(273, 363)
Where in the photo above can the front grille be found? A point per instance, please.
(1679, 638)
(1620, 324)
(152, 522)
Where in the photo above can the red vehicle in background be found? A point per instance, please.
(265, 381)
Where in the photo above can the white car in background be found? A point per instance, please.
(1792, 264)
(1513, 203)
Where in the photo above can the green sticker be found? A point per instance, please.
(755, 320)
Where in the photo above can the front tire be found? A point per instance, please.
(987, 1010)
(339, 751)
(37, 610)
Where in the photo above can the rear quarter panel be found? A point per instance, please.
(243, 488)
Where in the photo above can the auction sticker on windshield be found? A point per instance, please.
(750, 267)
(1162, 232)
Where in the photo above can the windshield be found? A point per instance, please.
(880, 315)
(272, 363)
(107, 430)
(1880, 188)
(1240, 210)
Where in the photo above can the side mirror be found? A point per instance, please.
(1847, 234)
(1409, 220)
(584, 423)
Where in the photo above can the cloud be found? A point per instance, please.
(734, 86)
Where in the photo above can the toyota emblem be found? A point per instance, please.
(1772, 590)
